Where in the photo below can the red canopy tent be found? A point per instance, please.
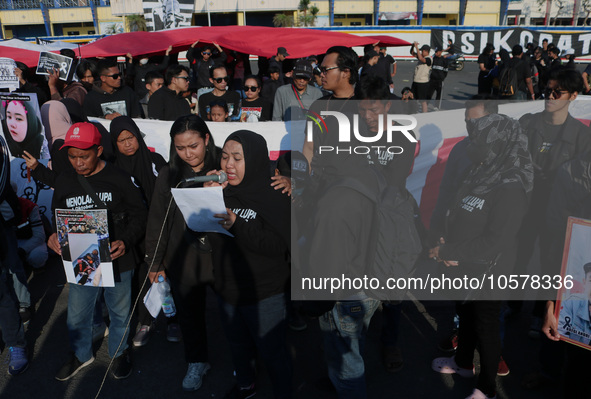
(388, 41)
(256, 40)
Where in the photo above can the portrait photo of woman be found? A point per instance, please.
(22, 127)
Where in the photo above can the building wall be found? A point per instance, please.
(70, 15)
(481, 19)
(442, 7)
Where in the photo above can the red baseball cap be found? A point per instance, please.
(82, 135)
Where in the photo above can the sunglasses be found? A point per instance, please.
(251, 88)
(206, 53)
(114, 76)
(554, 92)
(183, 77)
(325, 69)
(219, 80)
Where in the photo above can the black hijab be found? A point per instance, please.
(499, 150)
(255, 191)
(140, 165)
(33, 141)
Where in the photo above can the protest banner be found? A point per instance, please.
(50, 61)
(8, 79)
(572, 304)
(84, 241)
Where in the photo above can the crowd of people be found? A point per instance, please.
(513, 169)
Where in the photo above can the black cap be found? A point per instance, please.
(437, 48)
(282, 51)
(371, 53)
(425, 47)
(303, 68)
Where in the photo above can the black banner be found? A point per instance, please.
(473, 42)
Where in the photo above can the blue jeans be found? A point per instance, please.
(344, 329)
(259, 327)
(13, 332)
(81, 305)
(17, 271)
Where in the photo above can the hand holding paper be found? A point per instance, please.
(199, 207)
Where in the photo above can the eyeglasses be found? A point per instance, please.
(219, 80)
(183, 77)
(206, 53)
(251, 88)
(554, 92)
(325, 69)
(114, 76)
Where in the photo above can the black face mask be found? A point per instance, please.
(471, 126)
(477, 153)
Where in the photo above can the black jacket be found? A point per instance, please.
(167, 105)
(201, 68)
(182, 253)
(574, 139)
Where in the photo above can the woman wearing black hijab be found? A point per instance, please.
(251, 269)
(482, 226)
(133, 156)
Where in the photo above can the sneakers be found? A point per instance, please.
(25, 314)
(447, 365)
(241, 393)
(99, 331)
(142, 336)
(71, 368)
(122, 366)
(173, 332)
(478, 394)
(503, 369)
(194, 377)
(17, 360)
(449, 344)
(392, 358)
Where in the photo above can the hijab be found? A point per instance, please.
(75, 110)
(140, 164)
(255, 191)
(33, 141)
(56, 120)
(498, 149)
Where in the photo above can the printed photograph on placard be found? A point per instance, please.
(22, 127)
(573, 305)
(84, 241)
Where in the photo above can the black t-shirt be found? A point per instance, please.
(123, 198)
(438, 70)
(522, 70)
(231, 97)
(255, 111)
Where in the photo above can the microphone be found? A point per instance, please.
(222, 177)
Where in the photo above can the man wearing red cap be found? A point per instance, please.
(117, 193)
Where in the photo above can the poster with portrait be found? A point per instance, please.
(84, 241)
(573, 305)
(21, 125)
(168, 14)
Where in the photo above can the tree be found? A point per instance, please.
(561, 4)
(303, 6)
(136, 23)
(282, 20)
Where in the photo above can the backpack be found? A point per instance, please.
(508, 82)
(396, 241)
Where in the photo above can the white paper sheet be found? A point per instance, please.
(198, 205)
(153, 301)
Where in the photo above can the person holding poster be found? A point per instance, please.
(22, 127)
(99, 184)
